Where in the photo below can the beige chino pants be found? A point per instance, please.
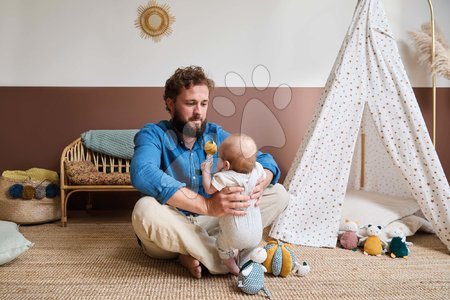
(165, 232)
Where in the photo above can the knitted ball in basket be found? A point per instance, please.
(15, 190)
(39, 192)
(51, 190)
(28, 192)
(280, 258)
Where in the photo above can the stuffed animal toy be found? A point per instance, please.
(398, 246)
(348, 237)
(251, 275)
(373, 244)
(280, 258)
(301, 269)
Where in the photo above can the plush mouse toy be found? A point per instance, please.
(251, 275)
(301, 269)
(373, 244)
(398, 246)
(348, 236)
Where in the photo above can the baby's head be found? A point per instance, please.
(238, 153)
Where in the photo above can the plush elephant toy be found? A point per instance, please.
(251, 275)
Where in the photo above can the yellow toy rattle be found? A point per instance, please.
(210, 149)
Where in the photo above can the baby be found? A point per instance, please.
(237, 166)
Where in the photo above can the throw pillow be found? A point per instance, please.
(75, 168)
(13, 242)
(376, 209)
(85, 173)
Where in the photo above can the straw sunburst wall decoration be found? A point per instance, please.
(154, 20)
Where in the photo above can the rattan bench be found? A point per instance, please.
(76, 151)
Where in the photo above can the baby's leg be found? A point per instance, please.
(227, 254)
(231, 265)
(242, 233)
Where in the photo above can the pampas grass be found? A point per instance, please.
(423, 41)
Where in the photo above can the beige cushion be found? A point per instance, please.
(376, 209)
(85, 173)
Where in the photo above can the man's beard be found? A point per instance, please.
(186, 128)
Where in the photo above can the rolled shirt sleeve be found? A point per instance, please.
(267, 161)
(146, 173)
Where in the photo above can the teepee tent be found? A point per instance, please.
(367, 94)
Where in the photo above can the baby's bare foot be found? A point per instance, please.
(231, 265)
(192, 264)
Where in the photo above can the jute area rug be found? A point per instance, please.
(103, 261)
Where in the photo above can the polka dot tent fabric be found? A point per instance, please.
(380, 172)
(367, 91)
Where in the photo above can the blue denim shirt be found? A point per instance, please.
(161, 164)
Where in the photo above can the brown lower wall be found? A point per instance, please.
(36, 123)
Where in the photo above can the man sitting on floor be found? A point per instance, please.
(177, 218)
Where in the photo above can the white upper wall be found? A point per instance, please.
(95, 43)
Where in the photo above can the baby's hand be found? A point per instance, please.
(206, 166)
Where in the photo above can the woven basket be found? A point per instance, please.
(27, 211)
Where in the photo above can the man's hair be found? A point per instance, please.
(240, 150)
(186, 77)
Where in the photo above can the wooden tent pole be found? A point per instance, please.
(363, 158)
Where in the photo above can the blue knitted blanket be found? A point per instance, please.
(118, 143)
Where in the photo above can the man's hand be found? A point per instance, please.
(260, 186)
(228, 201)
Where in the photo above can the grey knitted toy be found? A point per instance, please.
(251, 276)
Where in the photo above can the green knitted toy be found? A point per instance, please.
(398, 246)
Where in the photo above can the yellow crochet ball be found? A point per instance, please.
(210, 147)
(28, 192)
(280, 258)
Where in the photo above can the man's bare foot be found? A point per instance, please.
(192, 264)
(231, 265)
